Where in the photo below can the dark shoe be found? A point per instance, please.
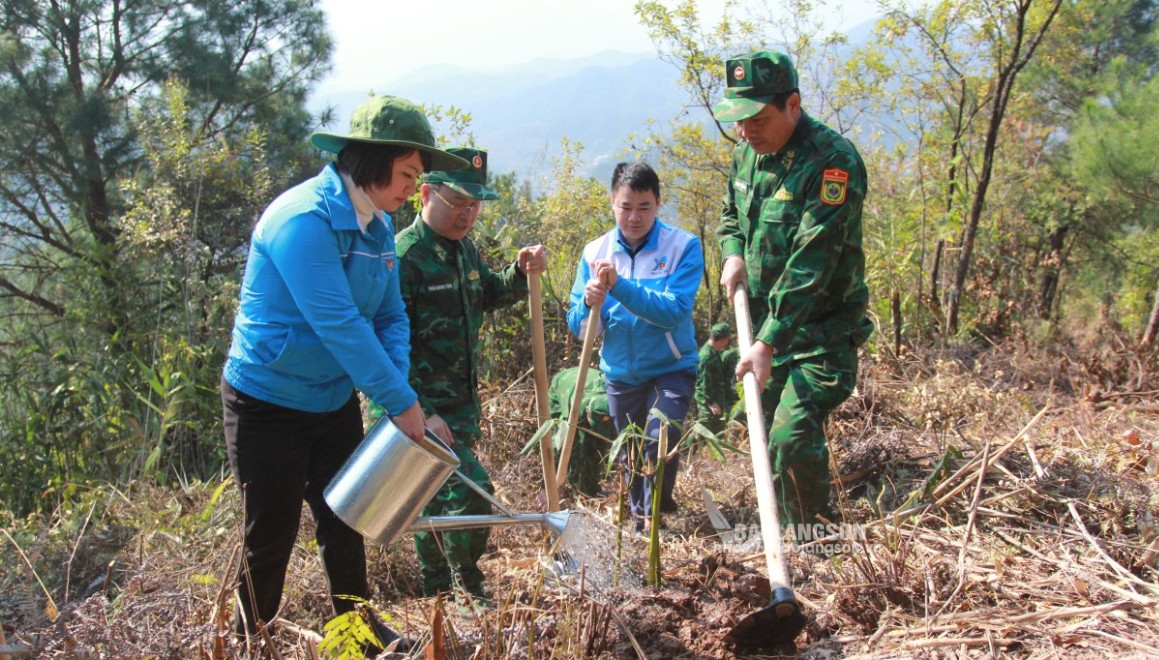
(432, 590)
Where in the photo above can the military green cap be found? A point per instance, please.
(753, 80)
(720, 330)
(471, 180)
(390, 120)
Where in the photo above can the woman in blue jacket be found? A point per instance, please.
(645, 274)
(320, 314)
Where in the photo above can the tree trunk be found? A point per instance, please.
(936, 272)
(933, 303)
(895, 314)
(1003, 88)
(1152, 323)
(1052, 268)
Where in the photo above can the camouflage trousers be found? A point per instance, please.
(797, 400)
(450, 560)
(585, 467)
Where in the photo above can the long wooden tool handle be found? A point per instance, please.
(758, 448)
(539, 356)
(577, 398)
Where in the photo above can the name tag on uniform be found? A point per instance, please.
(440, 287)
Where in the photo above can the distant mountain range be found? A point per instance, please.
(520, 114)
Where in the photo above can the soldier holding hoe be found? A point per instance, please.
(791, 232)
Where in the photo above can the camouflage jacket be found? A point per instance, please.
(713, 380)
(446, 287)
(594, 414)
(730, 357)
(795, 218)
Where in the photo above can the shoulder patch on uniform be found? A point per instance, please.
(783, 195)
(833, 186)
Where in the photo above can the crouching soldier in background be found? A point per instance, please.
(595, 430)
(447, 287)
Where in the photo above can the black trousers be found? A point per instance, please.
(281, 457)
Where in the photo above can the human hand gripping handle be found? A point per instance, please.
(410, 422)
(439, 427)
(732, 274)
(532, 260)
(602, 280)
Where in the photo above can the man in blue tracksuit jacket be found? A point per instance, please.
(645, 274)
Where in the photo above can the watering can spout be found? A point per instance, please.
(552, 522)
(555, 522)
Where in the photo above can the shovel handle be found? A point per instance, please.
(577, 398)
(539, 356)
(759, 451)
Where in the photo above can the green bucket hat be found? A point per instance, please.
(753, 80)
(471, 180)
(720, 330)
(390, 120)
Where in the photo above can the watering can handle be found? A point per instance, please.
(483, 492)
(466, 480)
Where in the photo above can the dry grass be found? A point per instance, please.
(1040, 541)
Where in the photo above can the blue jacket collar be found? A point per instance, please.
(650, 242)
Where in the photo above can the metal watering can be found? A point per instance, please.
(389, 478)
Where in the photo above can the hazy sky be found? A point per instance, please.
(378, 42)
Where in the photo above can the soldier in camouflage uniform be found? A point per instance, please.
(595, 430)
(447, 287)
(713, 380)
(791, 230)
(734, 409)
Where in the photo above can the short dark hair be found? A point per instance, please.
(638, 176)
(781, 99)
(371, 164)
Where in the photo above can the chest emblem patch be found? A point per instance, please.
(473, 275)
(783, 196)
(833, 186)
(659, 265)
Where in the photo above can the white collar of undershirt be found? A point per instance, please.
(363, 208)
